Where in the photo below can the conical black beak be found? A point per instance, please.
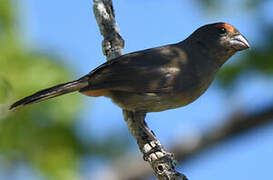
(239, 42)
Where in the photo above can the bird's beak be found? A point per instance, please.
(239, 42)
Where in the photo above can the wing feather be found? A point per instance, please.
(149, 71)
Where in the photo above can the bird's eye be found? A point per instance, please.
(222, 30)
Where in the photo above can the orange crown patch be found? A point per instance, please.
(228, 27)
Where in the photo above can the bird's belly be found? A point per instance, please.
(154, 102)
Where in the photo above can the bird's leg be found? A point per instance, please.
(161, 161)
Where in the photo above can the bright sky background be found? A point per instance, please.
(68, 29)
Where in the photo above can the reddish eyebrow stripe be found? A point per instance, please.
(227, 26)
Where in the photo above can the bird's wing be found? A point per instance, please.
(149, 71)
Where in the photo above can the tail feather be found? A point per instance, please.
(51, 92)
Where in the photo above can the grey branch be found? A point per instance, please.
(160, 160)
(237, 124)
(113, 43)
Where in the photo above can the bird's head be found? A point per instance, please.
(222, 34)
(220, 39)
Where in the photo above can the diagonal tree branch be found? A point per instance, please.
(160, 160)
(236, 125)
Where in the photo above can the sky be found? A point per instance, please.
(68, 29)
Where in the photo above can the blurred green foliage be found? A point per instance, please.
(259, 61)
(43, 135)
(40, 135)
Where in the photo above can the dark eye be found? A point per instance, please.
(222, 31)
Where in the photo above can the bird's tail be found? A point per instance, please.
(51, 92)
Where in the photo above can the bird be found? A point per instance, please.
(159, 78)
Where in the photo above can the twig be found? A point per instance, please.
(160, 160)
